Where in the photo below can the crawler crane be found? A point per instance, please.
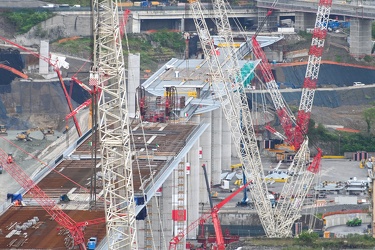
(108, 76)
(228, 89)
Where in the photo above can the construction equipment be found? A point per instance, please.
(354, 222)
(25, 135)
(227, 85)
(58, 72)
(3, 130)
(107, 74)
(14, 71)
(76, 237)
(204, 217)
(220, 245)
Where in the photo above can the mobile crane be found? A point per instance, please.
(76, 237)
(227, 84)
(58, 72)
(204, 217)
(107, 74)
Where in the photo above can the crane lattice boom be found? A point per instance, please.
(229, 91)
(108, 75)
(312, 70)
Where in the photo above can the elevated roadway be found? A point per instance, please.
(360, 13)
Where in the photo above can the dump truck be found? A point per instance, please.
(354, 222)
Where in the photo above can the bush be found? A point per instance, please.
(307, 238)
(26, 19)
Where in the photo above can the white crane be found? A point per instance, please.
(107, 76)
(228, 89)
(288, 209)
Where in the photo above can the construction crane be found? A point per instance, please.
(294, 191)
(14, 71)
(108, 75)
(293, 194)
(312, 70)
(58, 72)
(75, 229)
(204, 217)
(228, 89)
(220, 245)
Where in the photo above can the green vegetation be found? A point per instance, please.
(334, 142)
(80, 47)
(24, 20)
(156, 47)
(369, 116)
(84, 3)
(311, 241)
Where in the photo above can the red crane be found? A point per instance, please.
(215, 220)
(57, 70)
(14, 71)
(295, 130)
(75, 229)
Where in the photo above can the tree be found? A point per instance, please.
(369, 116)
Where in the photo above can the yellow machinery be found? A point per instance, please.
(3, 130)
(24, 136)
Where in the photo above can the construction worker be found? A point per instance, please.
(9, 159)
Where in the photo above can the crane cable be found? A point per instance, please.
(148, 163)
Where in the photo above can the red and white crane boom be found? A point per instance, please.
(58, 72)
(228, 90)
(204, 217)
(295, 190)
(75, 229)
(312, 70)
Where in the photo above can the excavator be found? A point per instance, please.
(25, 136)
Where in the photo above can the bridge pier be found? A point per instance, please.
(360, 37)
(304, 21)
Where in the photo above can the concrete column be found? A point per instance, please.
(136, 23)
(166, 207)
(216, 149)
(206, 143)
(134, 68)
(360, 37)
(182, 24)
(226, 144)
(195, 184)
(44, 51)
(304, 21)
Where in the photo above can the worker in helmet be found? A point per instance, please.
(10, 159)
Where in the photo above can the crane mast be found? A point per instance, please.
(312, 70)
(229, 91)
(295, 190)
(108, 75)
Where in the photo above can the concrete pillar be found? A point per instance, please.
(182, 24)
(226, 144)
(136, 23)
(216, 149)
(134, 68)
(304, 21)
(166, 208)
(360, 37)
(206, 144)
(196, 191)
(44, 52)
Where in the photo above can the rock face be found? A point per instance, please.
(29, 104)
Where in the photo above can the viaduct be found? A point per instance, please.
(302, 12)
